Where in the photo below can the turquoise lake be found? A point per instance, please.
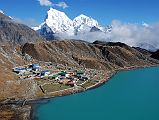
(129, 95)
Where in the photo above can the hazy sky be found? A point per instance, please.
(32, 12)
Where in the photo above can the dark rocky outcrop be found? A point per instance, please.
(15, 33)
(95, 29)
(143, 51)
(46, 32)
(111, 44)
(155, 55)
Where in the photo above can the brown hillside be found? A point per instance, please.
(98, 56)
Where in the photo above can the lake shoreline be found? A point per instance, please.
(99, 84)
(30, 102)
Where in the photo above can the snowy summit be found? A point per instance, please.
(57, 22)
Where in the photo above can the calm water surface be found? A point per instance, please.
(129, 95)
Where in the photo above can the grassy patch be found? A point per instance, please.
(41, 81)
(54, 87)
(79, 82)
(89, 83)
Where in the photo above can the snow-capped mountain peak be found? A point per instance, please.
(58, 21)
(84, 20)
(83, 23)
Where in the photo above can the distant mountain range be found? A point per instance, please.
(57, 22)
(57, 25)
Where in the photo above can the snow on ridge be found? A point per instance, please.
(59, 22)
(1, 12)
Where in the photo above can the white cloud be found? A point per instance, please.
(49, 3)
(87, 36)
(145, 24)
(137, 35)
(61, 4)
(45, 2)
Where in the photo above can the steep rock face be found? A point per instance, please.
(143, 51)
(107, 56)
(95, 29)
(12, 36)
(15, 33)
(46, 32)
(155, 55)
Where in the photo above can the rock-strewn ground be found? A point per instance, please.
(12, 112)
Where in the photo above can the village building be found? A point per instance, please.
(35, 67)
(45, 73)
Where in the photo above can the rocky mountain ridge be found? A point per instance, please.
(13, 32)
(97, 55)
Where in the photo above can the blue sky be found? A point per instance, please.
(104, 11)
